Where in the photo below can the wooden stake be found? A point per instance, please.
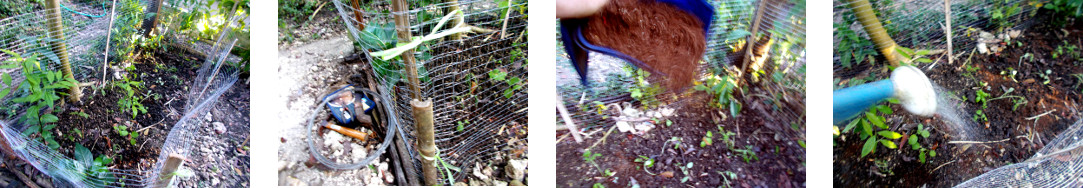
(947, 15)
(402, 26)
(357, 15)
(56, 32)
(152, 22)
(425, 139)
(172, 163)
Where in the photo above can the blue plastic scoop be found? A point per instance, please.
(577, 46)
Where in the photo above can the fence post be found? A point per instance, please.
(172, 163)
(357, 15)
(453, 5)
(752, 39)
(422, 109)
(867, 17)
(56, 33)
(152, 22)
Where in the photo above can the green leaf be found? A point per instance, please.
(884, 109)
(6, 78)
(870, 145)
(888, 144)
(921, 157)
(890, 134)
(866, 128)
(4, 92)
(700, 88)
(31, 130)
(851, 125)
(49, 118)
(932, 153)
(82, 154)
(914, 142)
(875, 120)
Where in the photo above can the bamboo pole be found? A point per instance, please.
(457, 20)
(425, 139)
(422, 109)
(883, 42)
(152, 22)
(172, 163)
(751, 41)
(402, 26)
(56, 32)
(947, 15)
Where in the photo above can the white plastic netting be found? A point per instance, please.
(99, 34)
(477, 84)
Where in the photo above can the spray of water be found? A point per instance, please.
(957, 121)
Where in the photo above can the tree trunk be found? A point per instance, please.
(883, 42)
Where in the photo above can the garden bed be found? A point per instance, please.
(221, 154)
(775, 138)
(1009, 135)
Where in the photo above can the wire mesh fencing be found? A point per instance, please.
(477, 79)
(95, 35)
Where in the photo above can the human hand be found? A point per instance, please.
(578, 8)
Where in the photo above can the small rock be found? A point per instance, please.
(499, 183)
(1014, 33)
(461, 184)
(477, 172)
(516, 183)
(207, 117)
(666, 112)
(388, 177)
(219, 127)
(516, 169)
(982, 48)
(623, 126)
(359, 153)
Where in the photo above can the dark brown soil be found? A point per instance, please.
(956, 163)
(772, 132)
(664, 37)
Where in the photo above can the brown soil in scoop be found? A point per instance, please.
(664, 37)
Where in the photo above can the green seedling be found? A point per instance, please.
(130, 102)
(1045, 76)
(723, 87)
(747, 154)
(707, 140)
(461, 125)
(123, 131)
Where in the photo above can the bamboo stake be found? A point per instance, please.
(751, 41)
(152, 22)
(867, 17)
(457, 20)
(56, 32)
(166, 175)
(947, 15)
(425, 139)
(402, 26)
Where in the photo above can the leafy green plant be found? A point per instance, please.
(130, 102)
(590, 157)
(643, 91)
(1065, 9)
(647, 161)
(39, 89)
(686, 169)
(852, 49)
(707, 140)
(909, 56)
(95, 169)
(514, 83)
(723, 87)
(1002, 12)
(873, 129)
(981, 97)
(123, 131)
(747, 154)
(461, 125)
(1045, 76)
(1071, 50)
(726, 137)
(916, 146)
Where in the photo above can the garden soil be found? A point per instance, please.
(1011, 137)
(774, 137)
(660, 35)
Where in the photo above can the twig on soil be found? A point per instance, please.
(568, 121)
(1040, 115)
(603, 137)
(941, 165)
(316, 12)
(977, 142)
